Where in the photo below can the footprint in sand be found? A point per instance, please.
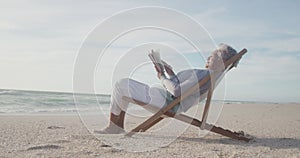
(105, 146)
(55, 127)
(44, 147)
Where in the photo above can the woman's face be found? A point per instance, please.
(214, 62)
(207, 65)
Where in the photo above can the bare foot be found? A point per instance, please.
(111, 129)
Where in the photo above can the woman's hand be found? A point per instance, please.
(159, 72)
(157, 68)
(159, 75)
(168, 69)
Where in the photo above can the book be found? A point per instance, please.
(154, 55)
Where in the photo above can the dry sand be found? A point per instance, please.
(276, 128)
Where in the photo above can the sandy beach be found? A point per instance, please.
(275, 128)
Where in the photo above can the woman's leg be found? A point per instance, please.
(129, 88)
(124, 87)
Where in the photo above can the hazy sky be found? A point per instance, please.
(40, 40)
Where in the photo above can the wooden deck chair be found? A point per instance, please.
(182, 117)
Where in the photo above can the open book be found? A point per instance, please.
(155, 58)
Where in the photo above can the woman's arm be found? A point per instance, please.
(188, 79)
(172, 84)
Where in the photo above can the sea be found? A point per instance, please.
(39, 102)
(30, 102)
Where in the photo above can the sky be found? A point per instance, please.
(40, 41)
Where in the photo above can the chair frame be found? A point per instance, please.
(203, 125)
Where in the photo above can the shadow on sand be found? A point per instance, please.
(273, 143)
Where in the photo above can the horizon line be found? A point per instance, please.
(84, 93)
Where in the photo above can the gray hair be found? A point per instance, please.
(226, 52)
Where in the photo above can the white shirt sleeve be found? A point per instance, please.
(176, 87)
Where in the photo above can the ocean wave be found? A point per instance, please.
(8, 92)
(19, 101)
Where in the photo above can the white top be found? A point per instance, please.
(183, 81)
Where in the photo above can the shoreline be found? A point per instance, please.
(235, 103)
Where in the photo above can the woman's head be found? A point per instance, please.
(219, 56)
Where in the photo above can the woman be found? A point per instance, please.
(174, 86)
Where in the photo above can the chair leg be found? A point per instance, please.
(212, 128)
(197, 123)
(152, 124)
(144, 128)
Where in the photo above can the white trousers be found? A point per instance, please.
(153, 96)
